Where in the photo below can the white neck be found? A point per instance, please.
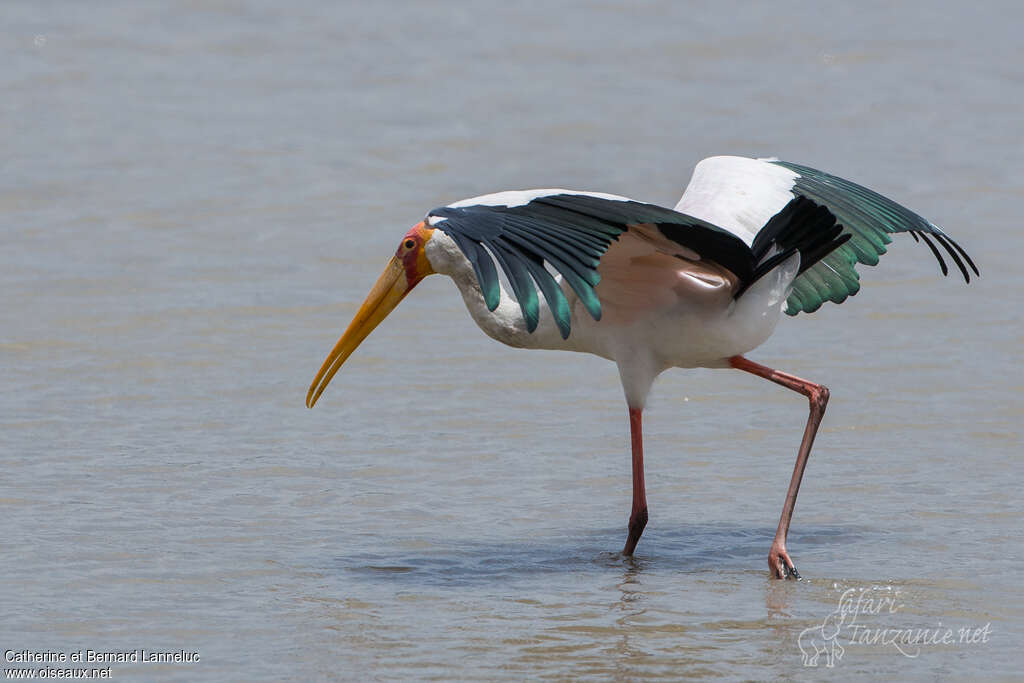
(505, 323)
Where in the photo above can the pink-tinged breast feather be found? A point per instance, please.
(645, 275)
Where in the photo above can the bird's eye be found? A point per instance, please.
(409, 244)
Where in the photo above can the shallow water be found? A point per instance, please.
(197, 198)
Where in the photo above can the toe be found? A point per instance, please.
(776, 566)
(780, 564)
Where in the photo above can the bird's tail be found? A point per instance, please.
(802, 226)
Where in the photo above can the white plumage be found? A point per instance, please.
(737, 193)
(658, 311)
(511, 198)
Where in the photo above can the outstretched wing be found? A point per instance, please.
(569, 231)
(742, 194)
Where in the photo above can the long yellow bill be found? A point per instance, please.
(391, 288)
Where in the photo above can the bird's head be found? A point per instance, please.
(408, 266)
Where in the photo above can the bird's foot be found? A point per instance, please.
(779, 563)
(637, 522)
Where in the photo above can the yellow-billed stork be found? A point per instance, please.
(652, 288)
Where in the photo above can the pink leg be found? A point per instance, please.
(638, 517)
(779, 562)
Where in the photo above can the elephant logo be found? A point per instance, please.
(823, 639)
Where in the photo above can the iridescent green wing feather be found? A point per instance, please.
(869, 219)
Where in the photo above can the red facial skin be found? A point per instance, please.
(410, 252)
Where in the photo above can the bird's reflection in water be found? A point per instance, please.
(629, 652)
(777, 598)
(630, 586)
